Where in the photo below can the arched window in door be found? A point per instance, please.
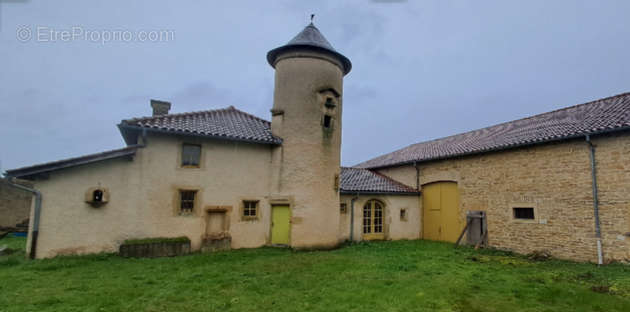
(373, 213)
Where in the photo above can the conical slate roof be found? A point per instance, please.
(310, 38)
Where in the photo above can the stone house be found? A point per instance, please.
(218, 176)
(557, 181)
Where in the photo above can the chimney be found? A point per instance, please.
(160, 107)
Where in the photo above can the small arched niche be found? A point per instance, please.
(97, 196)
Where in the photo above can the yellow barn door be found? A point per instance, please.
(441, 216)
(280, 225)
(432, 216)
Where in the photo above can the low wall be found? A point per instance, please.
(15, 204)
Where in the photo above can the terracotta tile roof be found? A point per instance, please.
(26, 172)
(600, 116)
(357, 180)
(228, 123)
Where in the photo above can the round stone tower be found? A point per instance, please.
(306, 114)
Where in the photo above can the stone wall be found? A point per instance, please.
(554, 179)
(15, 204)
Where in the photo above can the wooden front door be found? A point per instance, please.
(441, 215)
(280, 226)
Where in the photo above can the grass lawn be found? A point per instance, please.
(379, 276)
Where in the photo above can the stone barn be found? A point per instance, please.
(556, 182)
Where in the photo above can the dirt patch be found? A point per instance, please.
(602, 289)
(539, 255)
(586, 276)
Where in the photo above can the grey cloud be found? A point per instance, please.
(422, 69)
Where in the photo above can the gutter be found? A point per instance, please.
(415, 164)
(598, 232)
(378, 193)
(36, 215)
(352, 217)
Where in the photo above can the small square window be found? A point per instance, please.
(343, 208)
(187, 201)
(403, 214)
(191, 155)
(250, 209)
(523, 213)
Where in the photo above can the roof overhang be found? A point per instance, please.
(40, 170)
(272, 56)
(131, 132)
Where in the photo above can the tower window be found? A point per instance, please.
(327, 121)
(330, 103)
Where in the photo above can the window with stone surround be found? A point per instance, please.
(249, 210)
(403, 214)
(187, 201)
(523, 213)
(191, 155)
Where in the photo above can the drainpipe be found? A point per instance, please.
(415, 165)
(352, 217)
(36, 214)
(144, 138)
(598, 233)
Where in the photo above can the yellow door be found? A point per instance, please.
(432, 206)
(441, 216)
(373, 212)
(280, 225)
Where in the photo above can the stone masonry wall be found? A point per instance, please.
(555, 179)
(15, 204)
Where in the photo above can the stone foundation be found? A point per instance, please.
(154, 250)
(213, 243)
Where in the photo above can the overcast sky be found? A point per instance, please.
(421, 69)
